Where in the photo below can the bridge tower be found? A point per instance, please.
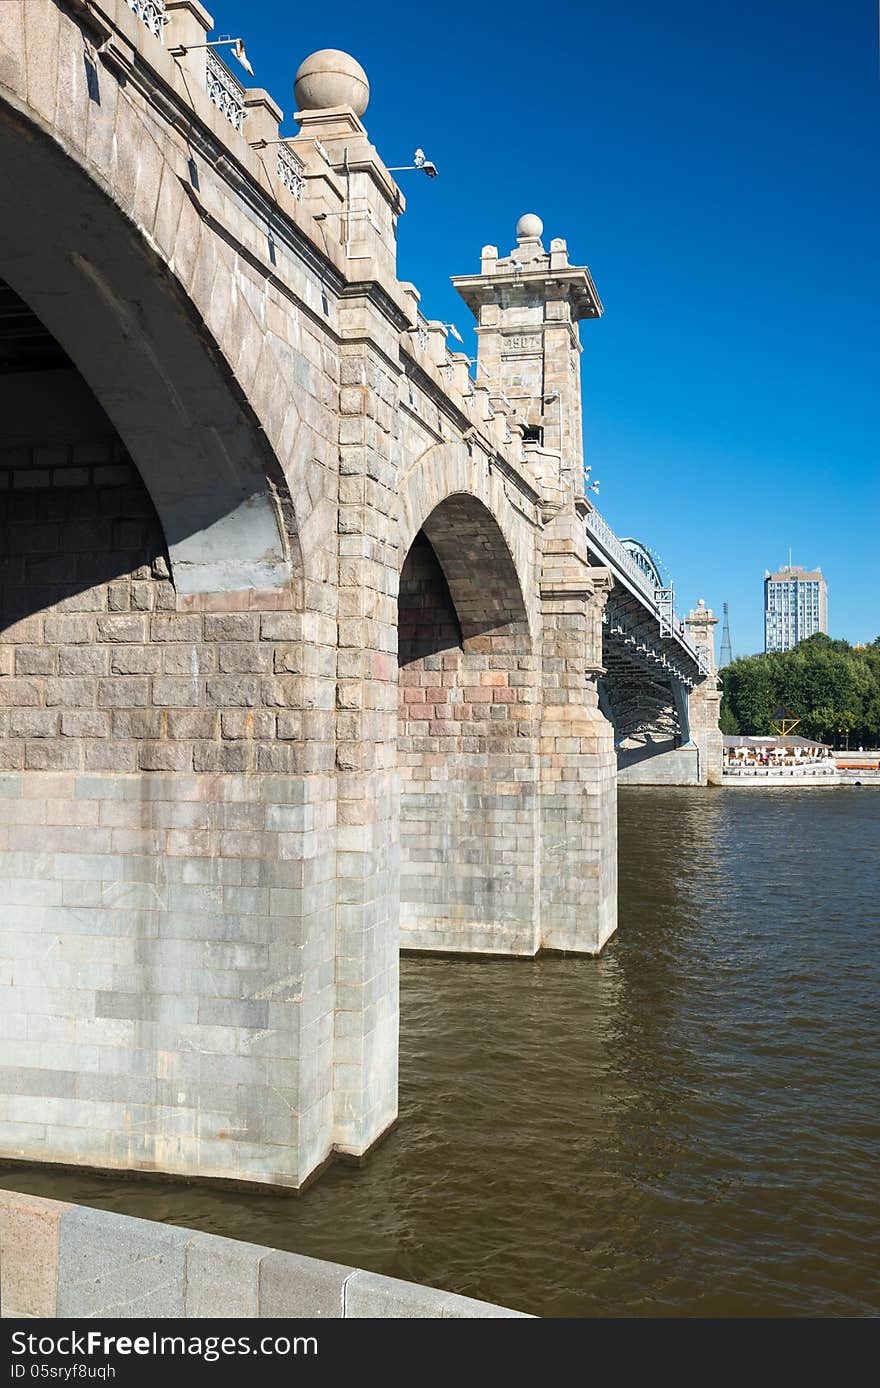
(704, 701)
(528, 305)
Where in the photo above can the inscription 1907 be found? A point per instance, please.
(522, 343)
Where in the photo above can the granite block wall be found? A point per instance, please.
(367, 837)
(578, 776)
(679, 766)
(168, 960)
(202, 735)
(704, 707)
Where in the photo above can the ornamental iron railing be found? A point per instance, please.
(226, 94)
(290, 171)
(601, 531)
(151, 13)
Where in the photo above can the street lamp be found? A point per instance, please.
(237, 46)
(425, 166)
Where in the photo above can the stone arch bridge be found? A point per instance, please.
(302, 626)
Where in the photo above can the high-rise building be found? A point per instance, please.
(795, 606)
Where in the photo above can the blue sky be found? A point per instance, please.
(716, 167)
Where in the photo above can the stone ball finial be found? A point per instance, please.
(529, 227)
(331, 78)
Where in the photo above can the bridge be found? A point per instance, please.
(658, 689)
(312, 640)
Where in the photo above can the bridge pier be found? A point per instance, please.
(578, 761)
(507, 766)
(466, 747)
(704, 703)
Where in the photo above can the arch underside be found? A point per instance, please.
(646, 685)
(449, 482)
(478, 568)
(648, 713)
(118, 314)
(466, 743)
(641, 709)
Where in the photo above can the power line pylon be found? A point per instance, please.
(726, 653)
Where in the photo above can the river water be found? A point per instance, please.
(686, 1126)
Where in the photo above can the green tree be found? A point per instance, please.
(828, 684)
(727, 719)
(822, 721)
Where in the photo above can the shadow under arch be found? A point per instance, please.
(478, 567)
(126, 322)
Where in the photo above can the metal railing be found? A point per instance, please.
(226, 94)
(151, 13)
(601, 531)
(660, 600)
(793, 771)
(290, 171)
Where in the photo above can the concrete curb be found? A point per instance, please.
(68, 1261)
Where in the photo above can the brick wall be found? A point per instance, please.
(104, 668)
(465, 751)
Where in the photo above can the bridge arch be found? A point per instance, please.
(645, 560)
(466, 732)
(460, 504)
(124, 312)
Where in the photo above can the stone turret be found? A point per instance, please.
(700, 623)
(528, 305)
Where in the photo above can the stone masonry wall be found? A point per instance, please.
(168, 961)
(680, 766)
(167, 820)
(466, 757)
(199, 750)
(704, 705)
(102, 668)
(367, 953)
(578, 761)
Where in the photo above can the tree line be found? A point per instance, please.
(833, 687)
